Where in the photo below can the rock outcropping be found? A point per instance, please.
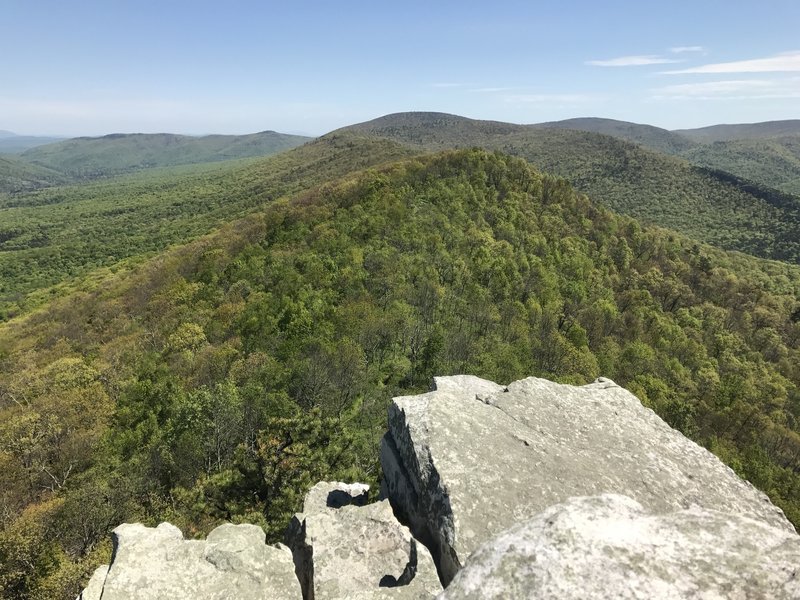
(233, 563)
(609, 547)
(472, 458)
(342, 550)
(542, 490)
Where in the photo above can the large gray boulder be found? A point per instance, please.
(472, 458)
(609, 547)
(344, 549)
(233, 563)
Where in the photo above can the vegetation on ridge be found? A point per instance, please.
(89, 158)
(663, 190)
(743, 131)
(773, 162)
(17, 176)
(654, 138)
(52, 236)
(223, 377)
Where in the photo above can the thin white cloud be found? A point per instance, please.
(736, 89)
(783, 62)
(684, 49)
(633, 61)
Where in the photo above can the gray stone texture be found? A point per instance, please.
(233, 563)
(359, 552)
(609, 547)
(472, 458)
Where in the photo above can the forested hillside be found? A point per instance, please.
(88, 158)
(51, 236)
(710, 206)
(742, 131)
(17, 176)
(767, 154)
(654, 138)
(773, 162)
(218, 380)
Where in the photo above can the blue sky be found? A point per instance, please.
(89, 68)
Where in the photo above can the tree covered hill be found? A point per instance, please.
(654, 138)
(773, 162)
(87, 158)
(217, 380)
(18, 176)
(743, 131)
(767, 154)
(51, 236)
(702, 203)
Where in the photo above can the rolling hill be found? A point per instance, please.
(743, 131)
(17, 175)
(53, 235)
(87, 158)
(705, 204)
(648, 136)
(765, 153)
(773, 162)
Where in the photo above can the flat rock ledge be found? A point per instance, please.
(345, 549)
(233, 563)
(472, 458)
(609, 546)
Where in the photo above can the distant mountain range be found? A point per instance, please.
(649, 136)
(743, 131)
(767, 153)
(739, 194)
(114, 154)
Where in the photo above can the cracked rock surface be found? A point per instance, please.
(472, 458)
(609, 546)
(232, 563)
(343, 550)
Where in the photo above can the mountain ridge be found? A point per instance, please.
(649, 136)
(661, 189)
(738, 131)
(113, 154)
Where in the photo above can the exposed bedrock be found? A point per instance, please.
(346, 550)
(232, 563)
(472, 458)
(609, 547)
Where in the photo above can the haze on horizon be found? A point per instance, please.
(200, 67)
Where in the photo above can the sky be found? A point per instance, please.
(95, 67)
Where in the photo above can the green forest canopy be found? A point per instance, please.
(55, 236)
(709, 205)
(221, 378)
